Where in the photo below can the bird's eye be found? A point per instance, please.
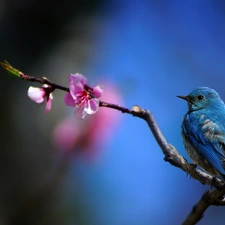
(200, 97)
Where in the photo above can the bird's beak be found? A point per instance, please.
(186, 98)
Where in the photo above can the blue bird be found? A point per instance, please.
(203, 130)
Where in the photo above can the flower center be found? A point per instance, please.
(82, 98)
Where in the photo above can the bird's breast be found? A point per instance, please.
(200, 125)
(198, 130)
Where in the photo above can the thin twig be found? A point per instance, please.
(44, 80)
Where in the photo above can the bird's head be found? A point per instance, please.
(202, 97)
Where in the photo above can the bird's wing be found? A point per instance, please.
(210, 142)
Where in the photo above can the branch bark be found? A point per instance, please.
(171, 154)
(209, 198)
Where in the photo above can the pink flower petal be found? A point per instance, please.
(76, 84)
(80, 112)
(36, 94)
(97, 91)
(48, 105)
(51, 96)
(69, 100)
(75, 88)
(78, 78)
(93, 106)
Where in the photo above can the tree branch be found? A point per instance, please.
(208, 198)
(171, 154)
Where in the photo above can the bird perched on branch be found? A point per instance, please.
(203, 130)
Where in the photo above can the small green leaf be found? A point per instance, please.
(11, 70)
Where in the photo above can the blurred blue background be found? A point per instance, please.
(153, 51)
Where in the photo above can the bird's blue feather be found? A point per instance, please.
(203, 130)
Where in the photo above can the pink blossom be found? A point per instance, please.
(87, 138)
(40, 95)
(82, 96)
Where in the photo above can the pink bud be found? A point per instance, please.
(40, 95)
